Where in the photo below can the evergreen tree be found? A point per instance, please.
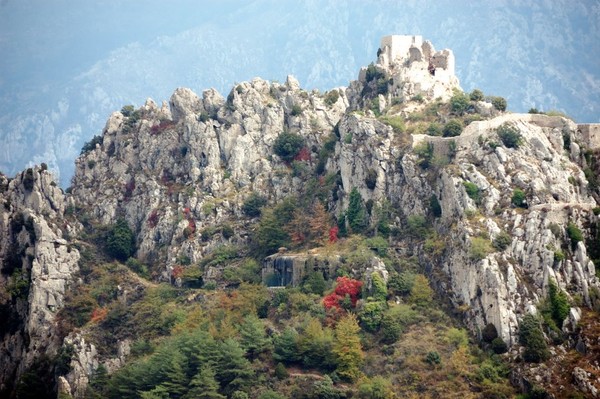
(356, 215)
(176, 380)
(347, 348)
(285, 347)
(315, 345)
(315, 283)
(269, 234)
(559, 302)
(204, 385)
(233, 370)
(120, 241)
(254, 338)
(341, 224)
(98, 383)
(532, 338)
(378, 288)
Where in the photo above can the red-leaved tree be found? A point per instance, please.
(346, 290)
(333, 234)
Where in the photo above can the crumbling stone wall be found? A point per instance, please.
(589, 133)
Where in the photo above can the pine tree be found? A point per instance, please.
(204, 385)
(233, 370)
(269, 234)
(254, 338)
(176, 380)
(347, 348)
(285, 346)
(356, 215)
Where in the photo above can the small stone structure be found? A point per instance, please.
(589, 133)
(281, 270)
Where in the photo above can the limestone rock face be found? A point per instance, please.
(195, 169)
(37, 267)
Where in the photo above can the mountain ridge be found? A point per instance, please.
(495, 208)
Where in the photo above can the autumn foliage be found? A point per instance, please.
(333, 234)
(98, 314)
(345, 288)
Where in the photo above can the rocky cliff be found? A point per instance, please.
(38, 264)
(490, 214)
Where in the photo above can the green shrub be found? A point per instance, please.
(502, 241)
(373, 73)
(472, 191)
(120, 242)
(499, 346)
(421, 293)
(287, 145)
(371, 314)
(401, 283)
(459, 103)
(558, 302)
(418, 226)
(296, 110)
(480, 248)
(91, 145)
(434, 129)
(281, 372)
(434, 206)
(127, 110)
(424, 151)
(476, 95)
(28, 179)
(371, 179)
(452, 128)
(331, 97)
(509, 135)
(137, 267)
(532, 338)
(433, 358)
(574, 234)
(315, 283)
(390, 329)
(518, 198)
(559, 256)
(227, 231)
(253, 204)
(396, 123)
(499, 103)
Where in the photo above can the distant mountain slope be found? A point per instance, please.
(56, 92)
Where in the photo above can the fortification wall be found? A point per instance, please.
(399, 45)
(589, 133)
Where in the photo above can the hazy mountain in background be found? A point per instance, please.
(65, 65)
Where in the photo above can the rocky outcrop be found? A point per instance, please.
(38, 265)
(195, 164)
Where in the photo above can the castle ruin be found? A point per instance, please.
(416, 67)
